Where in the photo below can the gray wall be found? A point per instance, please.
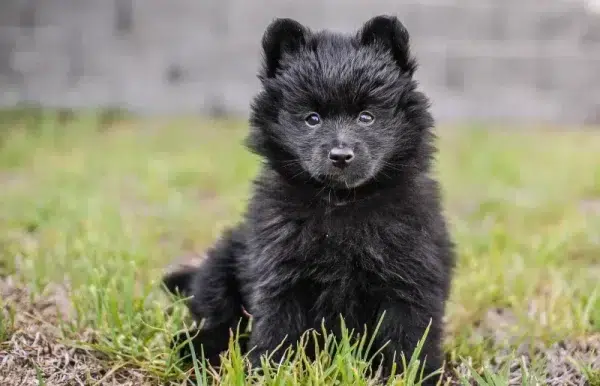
(519, 60)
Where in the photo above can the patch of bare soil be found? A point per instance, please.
(560, 363)
(34, 350)
(561, 368)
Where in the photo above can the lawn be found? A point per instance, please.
(93, 209)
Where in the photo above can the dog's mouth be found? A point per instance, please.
(346, 179)
(339, 178)
(341, 181)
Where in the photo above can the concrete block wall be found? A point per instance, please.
(513, 60)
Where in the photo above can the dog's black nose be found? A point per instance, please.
(341, 156)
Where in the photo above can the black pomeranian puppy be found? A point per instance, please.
(345, 219)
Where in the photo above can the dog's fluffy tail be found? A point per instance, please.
(213, 282)
(215, 289)
(179, 279)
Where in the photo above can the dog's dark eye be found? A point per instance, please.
(313, 119)
(366, 118)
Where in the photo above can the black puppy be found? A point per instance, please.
(344, 218)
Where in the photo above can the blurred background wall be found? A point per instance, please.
(511, 60)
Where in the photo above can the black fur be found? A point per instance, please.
(319, 241)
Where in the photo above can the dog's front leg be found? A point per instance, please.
(401, 329)
(278, 323)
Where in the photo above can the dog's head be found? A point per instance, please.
(339, 109)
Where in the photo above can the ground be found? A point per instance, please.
(94, 208)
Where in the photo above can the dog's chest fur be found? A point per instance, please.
(345, 260)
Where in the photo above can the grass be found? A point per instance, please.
(92, 209)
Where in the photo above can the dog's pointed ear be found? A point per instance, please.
(389, 32)
(281, 36)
